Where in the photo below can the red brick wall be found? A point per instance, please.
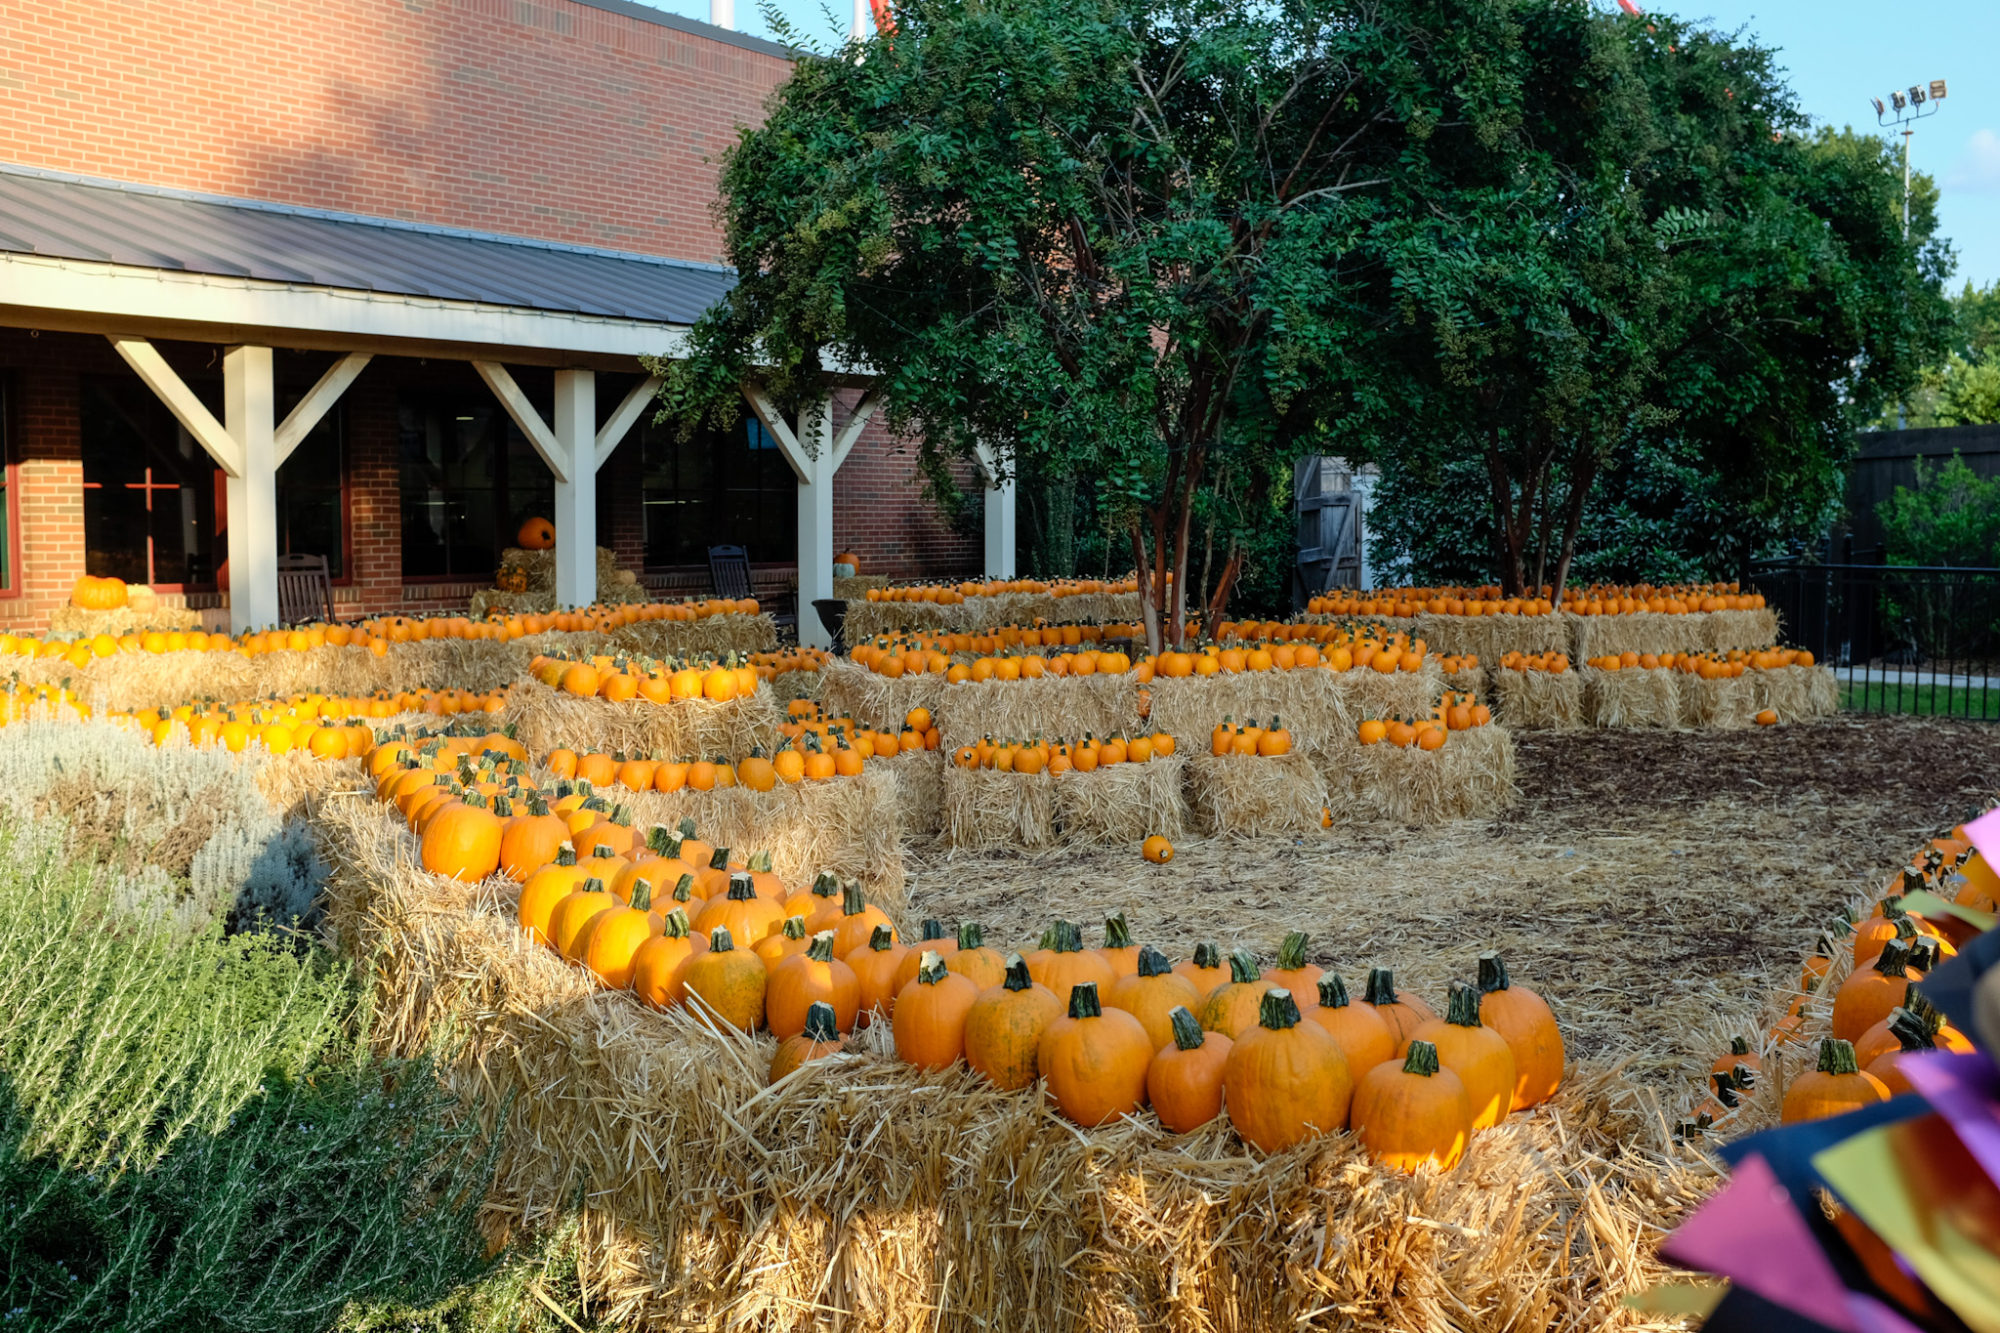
(881, 514)
(539, 118)
(46, 449)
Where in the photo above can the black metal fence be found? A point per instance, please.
(1903, 639)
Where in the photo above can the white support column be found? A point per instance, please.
(575, 430)
(249, 414)
(1000, 495)
(816, 530)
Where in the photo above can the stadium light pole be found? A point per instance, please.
(1903, 111)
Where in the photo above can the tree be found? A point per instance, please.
(1658, 259)
(1964, 388)
(1120, 240)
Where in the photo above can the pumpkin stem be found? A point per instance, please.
(675, 923)
(851, 901)
(1837, 1057)
(826, 884)
(761, 862)
(1243, 967)
(1332, 991)
(1381, 988)
(503, 807)
(1153, 963)
(1738, 1046)
(642, 895)
(684, 888)
(1422, 1059)
(663, 841)
(971, 935)
(1083, 1001)
(1207, 954)
(686, 827)
(821, 1023)
(1068, 937)
(1894, 959)
(1188, 1034)
(821, 949)
(1292, 953)
(1920, 1005)
(720, 861)
(1278, 1009)
(1492, 973)
(740, 887)
(622, 815)
(1462, 1005)
(1017, 973)
(593, 885)
(596, 803)
(933, 928)
(883, 939)
(565, 856)
(1117, 935)
(719, 940)
(930, 968)
(1911, 1032)
(794, 928)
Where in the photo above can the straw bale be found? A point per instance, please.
(848, 688)
(1490, 637)
(1467, 680)
(488, 600)
(1797, 693)
(1654, 632)
(1321, 708)
(1048, 706)
(988, 808)
(1470, 777)
(1123, 803)
(140, 613)
(1253, 796)
(789, 685)
(1724, 704)
(854, 588)
(866, 619)
(1548, 700)
(919, 776)
(715, 635)
(1728, 631)
(851, 826)
(549, 719)
(1631, 697)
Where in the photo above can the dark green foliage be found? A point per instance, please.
(1950, 517)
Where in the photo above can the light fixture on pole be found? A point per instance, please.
(1904, 109)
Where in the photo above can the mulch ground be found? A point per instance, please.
(1657, 888)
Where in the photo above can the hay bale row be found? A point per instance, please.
(788, 685)
(919, 776)
(547, 719)
(715, 635)
(985, 808)
(1796, 692)
(142, 611)
(851, 826)
(1490, 637)
(1641, 632)
(1633, 698)
(1721, 705)
(879, 1197)
(1470, 777)
(1320, 708)
(866, 619)
(1052, 707)
(1467, 680)
(848, 688)
(1250, 796)
(1125, 803)
(1730, 631)
(1538, 700)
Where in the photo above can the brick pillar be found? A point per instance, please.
(374, 492)
(50, 475)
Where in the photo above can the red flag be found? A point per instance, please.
(1631, 9)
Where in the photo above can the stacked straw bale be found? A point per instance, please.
(850, 689)
(789, 685)
(1538, 700)
(1124, 803)
(1490, 637)
(919, 776)
(1728, 631)
(714, 635)
(142, 611)
(1654, 632)
(985, 808)
(851, 826)
(1470, 777)
(866, 619)
(1467, 680)
(1253, 796)
(1052, 707)
(1634, 698)
(1796, 692)
(854, 587)
(1321, 708)
(879, 1197)
(1723, 705)
(548, 719)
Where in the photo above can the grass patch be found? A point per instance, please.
(1920, 700)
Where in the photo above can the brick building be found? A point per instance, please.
(371, 279)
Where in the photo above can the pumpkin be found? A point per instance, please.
(1524, 1020)
(1157, 850)
(712, 879)
(1739, 1062)
(537, 534)
(819, 1038)
(874, 965)
(544, 889)
(463, 842)
(1834, 1087)
(1412, 1114)
(1477, 1054)
(934, 939)
(531, 841)
(973, 960)
(790, 938)
(1094, 1060)
(858, 921)
(1004, 1027)
(573, 913)
(1063, 963)
(848, 558)
(1358, 1030)
(1869, 993)
(1234, 1008)
(1403, 1013)
(1206, 969)
(1184, 1082)
(740, 911)
(659, 967)
(1294, 973)
(1118, 950)
(1912, 1035)
(824, 910)
(727, 980)
(1285, 1081)
(1151, 994)
(94, 594)
(611, 939)
(807, 979)
(929, 1024)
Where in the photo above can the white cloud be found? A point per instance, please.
(1978, 167)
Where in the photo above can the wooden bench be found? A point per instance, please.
(729, 576)
(305, 590)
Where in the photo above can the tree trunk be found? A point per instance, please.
(1506, 543)
(1218, 605)
(1149, 609)
(1583, 471)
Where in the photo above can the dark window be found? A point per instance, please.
(149, 491)
(7, 496)
(720, 487)
(311, 495)
(469, 479)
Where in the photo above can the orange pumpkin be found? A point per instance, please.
(1151, 994)
(1285, 1081)
(804, 980)
(463, 841)
(1294, 973)
(1358, 1030)
(1005, 1025)
(1401, 1011)
(984, 967)
(1869, 993)
(1477, 1054)
(930, 1015)
(1184, 1082)
(1118, 950)
(874, 965)
(1094, 1060)
(1523, 1019)
(729, 981)
(1206, 969)
(1413, 1114)
(659, 967)
(611, 939)
(537, 534)
(1235, 1007)
(819, 1038)
(1834, 1087)
(1063, 963)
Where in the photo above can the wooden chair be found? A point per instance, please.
(305, 589)
(729, 576)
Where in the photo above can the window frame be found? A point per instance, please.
(716, 495)
(12, 586)
(504, 490)
(337, 414)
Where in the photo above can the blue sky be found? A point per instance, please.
(1837, 54)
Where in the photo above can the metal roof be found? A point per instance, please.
(113, 222)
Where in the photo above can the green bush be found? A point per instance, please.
(1950, 517)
